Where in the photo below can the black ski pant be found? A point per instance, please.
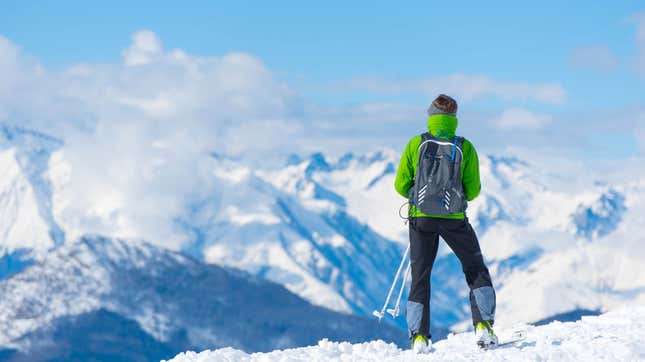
(461, 238)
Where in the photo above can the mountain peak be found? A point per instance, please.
(600, 217)
(293, 159)
(317, 162)
(507, 160)
(26, 138)
(119, 253)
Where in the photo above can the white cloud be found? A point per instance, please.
(468, 87)
(145, 48)
(138, 135)
(521, 119)
(14, 69)
(594, 57)
(128, 180)
(8, 63)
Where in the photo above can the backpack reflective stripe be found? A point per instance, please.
(442, 143)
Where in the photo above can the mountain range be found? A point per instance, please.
(327, 229)
(131, 300)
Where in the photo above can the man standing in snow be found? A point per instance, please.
(439, 174)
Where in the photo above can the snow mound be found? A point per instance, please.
(615, 336)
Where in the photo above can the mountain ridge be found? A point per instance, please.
(328, 229)
(174, 300)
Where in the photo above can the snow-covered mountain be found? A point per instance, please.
(328, 229)
(322, 253)
(543, 239)
(27, 226)
(289, 229)
(615, 336)
(97, 296)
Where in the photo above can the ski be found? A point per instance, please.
(517, 336)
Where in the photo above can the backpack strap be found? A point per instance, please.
(424, 137)
(456, 142)
(454, 149)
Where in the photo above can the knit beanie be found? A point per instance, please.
(443, 104)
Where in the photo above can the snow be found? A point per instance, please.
(615, 336)
(328, 229)
(543, 235)
(284, 226)
(22, 226)
(26, 219)
(240, 218)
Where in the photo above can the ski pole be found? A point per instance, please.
(380, 314)
(395, 312)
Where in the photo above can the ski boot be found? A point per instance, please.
(420, 344)
(485, 335)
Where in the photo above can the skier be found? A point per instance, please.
(439, 174)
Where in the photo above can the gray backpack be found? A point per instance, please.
(438, 188)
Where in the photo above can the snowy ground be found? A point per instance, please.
(615, 336)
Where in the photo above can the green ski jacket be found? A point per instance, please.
(442, 126)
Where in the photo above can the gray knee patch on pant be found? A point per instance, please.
(413, 315)
(485, 299)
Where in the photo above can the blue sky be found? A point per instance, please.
(344, 55)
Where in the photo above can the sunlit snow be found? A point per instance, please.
(616, 336)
